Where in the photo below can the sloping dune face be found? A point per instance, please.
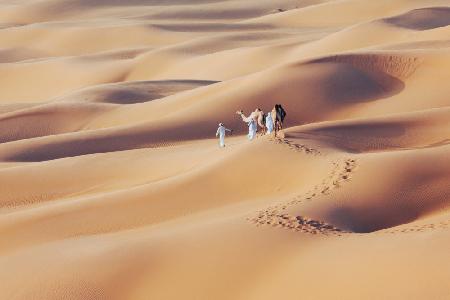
(423, 18)
(113, 184)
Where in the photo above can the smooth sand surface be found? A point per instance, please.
(112, 184)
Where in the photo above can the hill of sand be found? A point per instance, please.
(112, 184)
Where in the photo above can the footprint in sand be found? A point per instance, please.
(272, 216)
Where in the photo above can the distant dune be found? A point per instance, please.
(113, 186)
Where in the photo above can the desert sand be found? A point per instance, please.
(112, 184)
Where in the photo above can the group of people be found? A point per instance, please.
(268, 123)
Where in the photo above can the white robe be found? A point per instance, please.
(252, 129)
(221, 133)
(269, 123)
(251, 123)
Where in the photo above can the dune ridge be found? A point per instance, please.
(113, 186)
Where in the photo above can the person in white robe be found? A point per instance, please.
(221, 131)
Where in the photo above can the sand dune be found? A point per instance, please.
(363, 79)
(421, 129)
(112, 184)
(423, 18)
(134, 92)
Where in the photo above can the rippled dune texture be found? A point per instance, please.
(112, 184)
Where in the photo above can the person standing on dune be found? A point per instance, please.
(269, 123)
(251, 121)
(221, 134)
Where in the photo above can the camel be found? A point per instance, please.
(278, 115)
(253, 120)
(281, 114)
(261, 120)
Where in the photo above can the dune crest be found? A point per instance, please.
(113, 184)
